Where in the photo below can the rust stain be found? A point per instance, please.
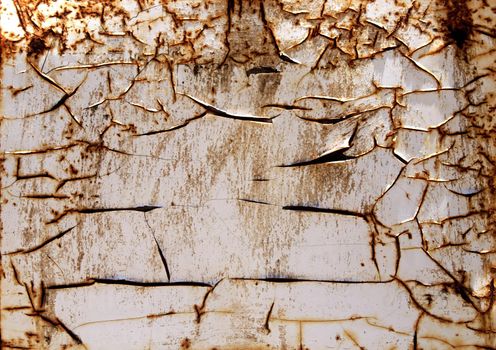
(282, 111)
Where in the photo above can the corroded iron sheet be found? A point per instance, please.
(273, 174)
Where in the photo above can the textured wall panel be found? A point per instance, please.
(248, 174)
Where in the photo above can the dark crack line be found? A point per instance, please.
(373, 241)
(298, 280)
(221, 113)
(333, 121)
(267, 318)
(323, 210)
(337, 156)
(261, 70)
(415, 333)
(286, 107)
(92, 281)
(467, 195)
(200, 309)
(176, 127)
(142, 209)
(160, 252)
(41, 245)
(73, 335)
(253, 201)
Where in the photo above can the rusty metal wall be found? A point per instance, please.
(274, 174)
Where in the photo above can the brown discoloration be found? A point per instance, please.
(185, 343)
(458, 22)
(36, 47)
(248, 51)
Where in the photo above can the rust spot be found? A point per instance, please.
(36, 47)
(458, 21)
(185, 343)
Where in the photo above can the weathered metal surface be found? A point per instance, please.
(248, 174)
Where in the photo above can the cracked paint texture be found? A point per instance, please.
(273, 174)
